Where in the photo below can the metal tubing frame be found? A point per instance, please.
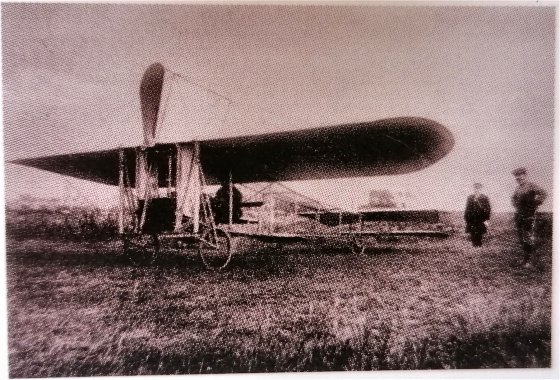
(230, 201)
(196, 213)
(121, 192)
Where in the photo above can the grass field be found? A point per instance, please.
(78, 308)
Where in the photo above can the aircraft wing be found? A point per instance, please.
(100, 166)
(389, 146)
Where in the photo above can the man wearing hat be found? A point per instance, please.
(477, 213)
(526, 199)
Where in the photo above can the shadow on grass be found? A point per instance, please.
(267, 259)
(511, 349)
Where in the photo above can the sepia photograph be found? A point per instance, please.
(249, 188)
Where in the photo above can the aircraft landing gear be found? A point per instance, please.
(215, 248)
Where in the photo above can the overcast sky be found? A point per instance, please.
(71, 75)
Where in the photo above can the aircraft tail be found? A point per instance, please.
(174, 108)
(150, 98)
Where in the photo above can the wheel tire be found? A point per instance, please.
(215, 250)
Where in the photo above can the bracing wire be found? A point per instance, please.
(184, 197)
(129, 195)
(163, 113)
(147, 193)
(232, 102)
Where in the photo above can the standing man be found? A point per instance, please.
(526, 199)
(477, 213)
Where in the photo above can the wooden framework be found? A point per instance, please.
(143, 227)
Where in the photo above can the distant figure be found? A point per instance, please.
(526, 199)
(477, 213)
(220, 205)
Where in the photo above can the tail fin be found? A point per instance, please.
(150, 99)
(176, 109)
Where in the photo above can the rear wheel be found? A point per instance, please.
(141, 249)
(215, 248)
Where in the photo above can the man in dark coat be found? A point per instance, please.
(526, 199)
(477, 213)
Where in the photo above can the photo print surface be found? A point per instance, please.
(211, 188)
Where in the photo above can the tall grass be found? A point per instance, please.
(304, 345)
(80, 310)
(60, 222)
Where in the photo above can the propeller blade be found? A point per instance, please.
(150, 98)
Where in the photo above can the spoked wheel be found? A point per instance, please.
(215, 248)
(141, 249)
(357, 245)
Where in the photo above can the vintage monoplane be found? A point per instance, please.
(162, 185)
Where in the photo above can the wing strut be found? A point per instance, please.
(188, 185)
(121, 192)
(230, 200)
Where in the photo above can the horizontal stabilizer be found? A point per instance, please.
(334, 218)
